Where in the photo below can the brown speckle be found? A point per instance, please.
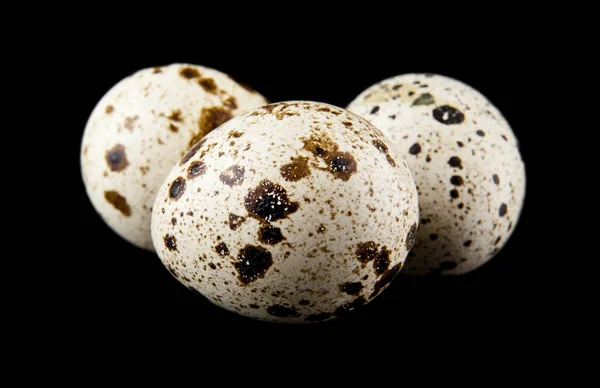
(109, 109)
(342, 165)
(382, 261)
(176, 116)
(118, 201)
(321, 229)
(295, 170)
(116, 158)
(282, 311)
(192, 151)
(414, 149)
(157, 70)
(270, 235)
(170, 242)
(503, 210)
(269, 202)
(351, 288)
(233, 176)
(235, 134)
(177, 188)
(130, 122)
(457, 180)
(455, 162)
(386, 279)
(235, 221)
(448, 115)
(384, 150)
(189, 73)
(208, 84)
(424, 99)
(196, 169)
(210, 118)
(447, 265)
(173, 128)
(253, 262)
(367, 251)
(222, 249)
(496, 179)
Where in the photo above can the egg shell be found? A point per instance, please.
(295, 212)
(141, 128)
(466, 163)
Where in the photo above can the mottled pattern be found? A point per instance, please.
(318, 189)
(465, 161)
(141, 128)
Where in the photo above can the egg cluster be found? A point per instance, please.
(302, 211)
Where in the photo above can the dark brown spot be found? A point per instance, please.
(346, 308)
(321, 229)
(433, 237)
(212, 265)
(386, 279)
(109, 109)
(467, 243)
(177, 188)
(176, 116)
(414, 149)
(411, 236)
(318, 317)
(253, 262)
(170, 242)
(282, 311)
(118, 201)
(455, 162)
(497, 240)
(342, 165)
(235, 221)
(192, 151)
(156, 70)
(235, 134)
(347, 124)
(231, 103)
(254, 306)
(208, 84)
(295, 170)
(503, 209)
(384, 150)
(454, 193)
(367, 251)
(304, 302)
(480, 133)
(172, 271)
(173, 221)
(460, 144)
(210, 118)
(424, 99)
(457, 180)
(196, 169)
(233, 176)
(447, 265)
(496, 179)
(189, 73)
(116, 158)
(269, 202)
(270, 235)
(382, 261)
(222, 249)
(448, 115)
(351, 288)
(173, 128)
(374, 110)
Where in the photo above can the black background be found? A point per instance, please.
(112, 285)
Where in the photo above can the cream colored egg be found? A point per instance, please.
(141, 128)
(465, 161)
(294, 212)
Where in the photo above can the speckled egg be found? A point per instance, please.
(142, 127)
(295, 212)
(466, 163)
